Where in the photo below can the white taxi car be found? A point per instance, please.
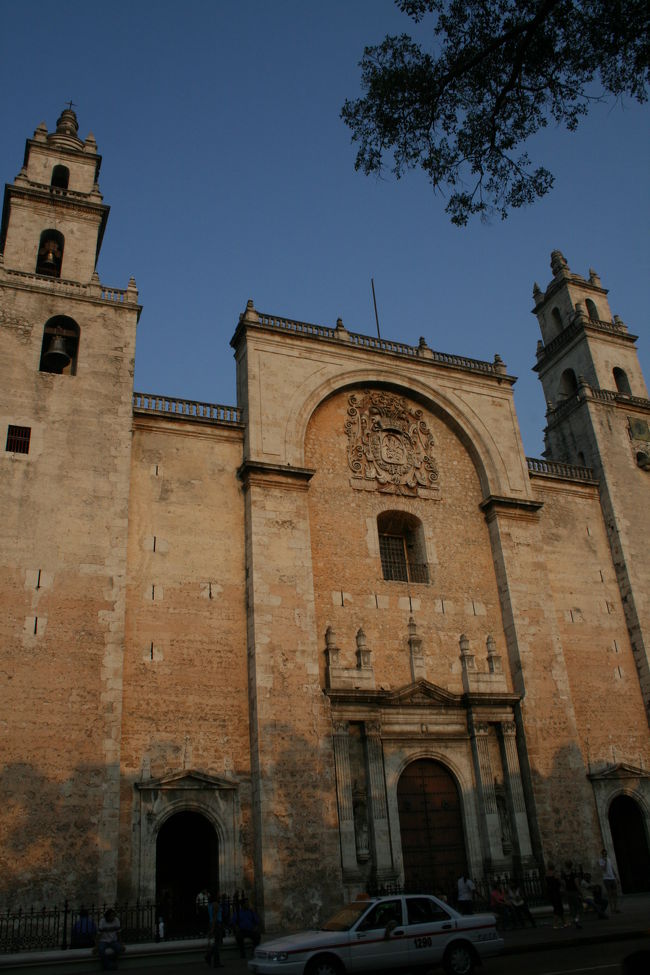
(408, 931)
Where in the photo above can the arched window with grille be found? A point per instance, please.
(402, 547)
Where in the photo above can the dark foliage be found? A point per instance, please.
(498, 71)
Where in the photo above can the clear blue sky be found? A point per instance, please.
(230, 176)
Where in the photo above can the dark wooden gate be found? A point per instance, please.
(630, 844)
(431, 828)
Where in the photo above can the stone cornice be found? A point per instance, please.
(95, 293)
(495, 505)
(187, 780)
(421, 694)
(621, 770)
(581, 325)
(279, 475)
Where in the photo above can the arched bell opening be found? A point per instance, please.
(431, 828)
(50, 254)
(187, 863)
(60, 346)
(60, 177)
(630, 839)
(622, 382)
(568, 385)
(556, 319)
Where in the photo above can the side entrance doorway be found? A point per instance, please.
(187, 863)
(630, 839)
(431, 829)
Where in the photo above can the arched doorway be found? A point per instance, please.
(431, 828)
(630, 844)
(187, 861)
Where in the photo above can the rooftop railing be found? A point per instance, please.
(380, 345)
(555, 468)
(185, 409)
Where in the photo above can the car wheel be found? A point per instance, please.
(459, 959)
(324, 965)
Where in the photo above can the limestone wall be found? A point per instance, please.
(63, 543)
(185, 679)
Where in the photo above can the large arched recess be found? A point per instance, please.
(630, 839)
(494, 472)
(187, 861)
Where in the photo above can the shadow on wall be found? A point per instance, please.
(49, 846)
(49, 836)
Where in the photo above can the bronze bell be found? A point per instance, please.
(56, 358)
(49, 258)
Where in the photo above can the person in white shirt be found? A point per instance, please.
(466, 891)
(610, 882)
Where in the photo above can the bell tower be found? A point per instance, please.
(54, 216)
(66, 386)
(599, 417)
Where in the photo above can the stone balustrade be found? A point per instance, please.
(185, 409)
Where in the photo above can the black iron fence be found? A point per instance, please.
(531, 886)
(68, 926)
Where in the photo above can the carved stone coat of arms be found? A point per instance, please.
(390, 445)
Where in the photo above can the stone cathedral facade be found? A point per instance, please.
(341, 634)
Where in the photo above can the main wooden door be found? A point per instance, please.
(431, 828)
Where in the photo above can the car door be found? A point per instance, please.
(377, 941)
(428, 929)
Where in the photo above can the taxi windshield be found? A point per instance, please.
(346, 917)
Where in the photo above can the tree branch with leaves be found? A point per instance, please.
(498, 71)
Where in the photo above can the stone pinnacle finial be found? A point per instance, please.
(594, 277)
(558, 262)
(67, 123)
(250, 315)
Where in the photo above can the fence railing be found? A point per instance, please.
(68, 926)
(531, 885)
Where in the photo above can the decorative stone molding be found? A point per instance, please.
(475, 680)
(415, 650)
(390, 446)
(337, 675)
(156, 800)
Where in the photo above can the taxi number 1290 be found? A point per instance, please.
(422, 942)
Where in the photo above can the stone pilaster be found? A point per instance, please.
(510, 761)
(379, 826)
(487, 802)
(344, 797)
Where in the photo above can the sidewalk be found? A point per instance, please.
(632, 922)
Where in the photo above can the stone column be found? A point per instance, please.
(487, 801)
(344, 797)
(379, 827)
(515, 791)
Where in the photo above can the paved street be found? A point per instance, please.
(595, 949)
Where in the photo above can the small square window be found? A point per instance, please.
(18, 439)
